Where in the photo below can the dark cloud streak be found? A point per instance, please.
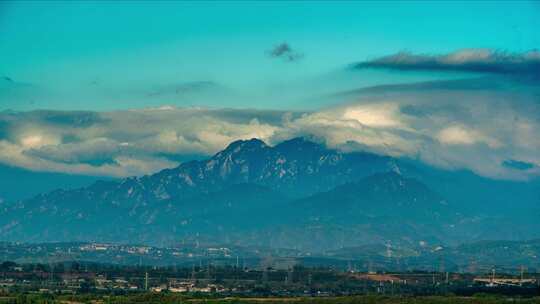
(467, 60)
(284, 51)
(518, 165)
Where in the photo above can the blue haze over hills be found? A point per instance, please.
(314, 126)
(297, 194)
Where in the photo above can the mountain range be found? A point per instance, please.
(298, 194)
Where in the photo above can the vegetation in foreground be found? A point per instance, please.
(176, 298)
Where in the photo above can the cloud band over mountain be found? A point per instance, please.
(448, 124)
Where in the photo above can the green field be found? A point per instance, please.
(175, 298)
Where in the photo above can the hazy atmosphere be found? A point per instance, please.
(388, 133)
(157, 81)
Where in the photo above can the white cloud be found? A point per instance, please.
(32, 141)
(124, 143)
(461, 135)
(343, 125)
(375, 115)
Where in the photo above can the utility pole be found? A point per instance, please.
(51, 273)
(208, 275)
(473, 266)
(290, 275)
(265, 274)
(146, 281)
(522, 270)
(441, 264)
(370, 267)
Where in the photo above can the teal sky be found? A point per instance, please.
(114, 55)
(165, 81)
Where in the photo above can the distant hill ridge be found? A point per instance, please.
(297, 194)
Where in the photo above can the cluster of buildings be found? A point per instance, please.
(188, 286)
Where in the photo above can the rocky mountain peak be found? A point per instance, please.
(298, 144)
(242, 146)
